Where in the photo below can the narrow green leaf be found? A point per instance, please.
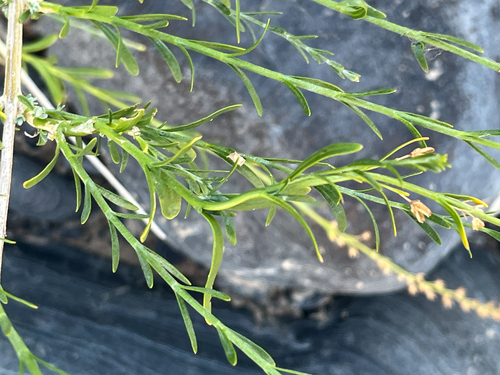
(455, 40)
(65, 28)
(188, 323)
(115, 247)
(170, 199)
(53, 83)
(87, 205)
(190, 61)
(131, 215)
(300, 97)
(430, 231)
(78, 188)
(40, 45)
(238, 25)
(169, 57)
(152, 203)
(458, 222)
(159, 263)
(325, 153)
(413, 130)
(253, 46)
(153, 17)
(212, 292)
(24, 100)
(204, 120)
(485, 155)
(253, 346)
(116, 199)
(115, 155)
(228, 347)
(491, 232)
(39, 177)
(418, 50)
(320, 83)
(229, 226)
(124, 160)
(217, 251)
(270, 215)
(93, 5)
(7, 241)
(123, 55)
(332, 196)
(218, 46)
(369, 93)
(364, 117)
(300, 220)
(146, 269)
(372, 217)
(462, 197)
(250, 88)
(391, 213)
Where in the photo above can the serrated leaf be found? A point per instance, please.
(169, 57)
(115, 247)
(228, 347)
(87, 205)
(187, 323)
(300, 97)
(418, 49)
(39, 177)
(329, 151)
(116, 199)
(41, 44)
(250, 88)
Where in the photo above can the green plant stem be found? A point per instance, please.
(12, 89)
(306, 85)
(418, 36)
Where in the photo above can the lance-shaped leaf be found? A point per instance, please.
(40, 45)
(418, 49)
(87, 205)
(364, 117)
(39, 177)
(146, 268)
(335, 149)
(228, 347)
(372, 217)
(188, 323)
(455, 40)
(190, 61)
(169, 57)
(203, 120)
(115, 247)
(250, 88)
(229, 226)
(217, 251)
(332, 196)
(113, 151)
(300, 97)
(212, 292)
(459, 225)
(116, 199)
(430, 231)
(170, 199)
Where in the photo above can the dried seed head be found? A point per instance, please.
(477, 223)
(412, 289)
(352, 252)
(439, 283)
(236, 158)
(447, 301)
(460, 292)
(420, 210)
(429, 293)
(465, 305)
(421, 151)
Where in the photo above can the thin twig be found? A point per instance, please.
(11, 90)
